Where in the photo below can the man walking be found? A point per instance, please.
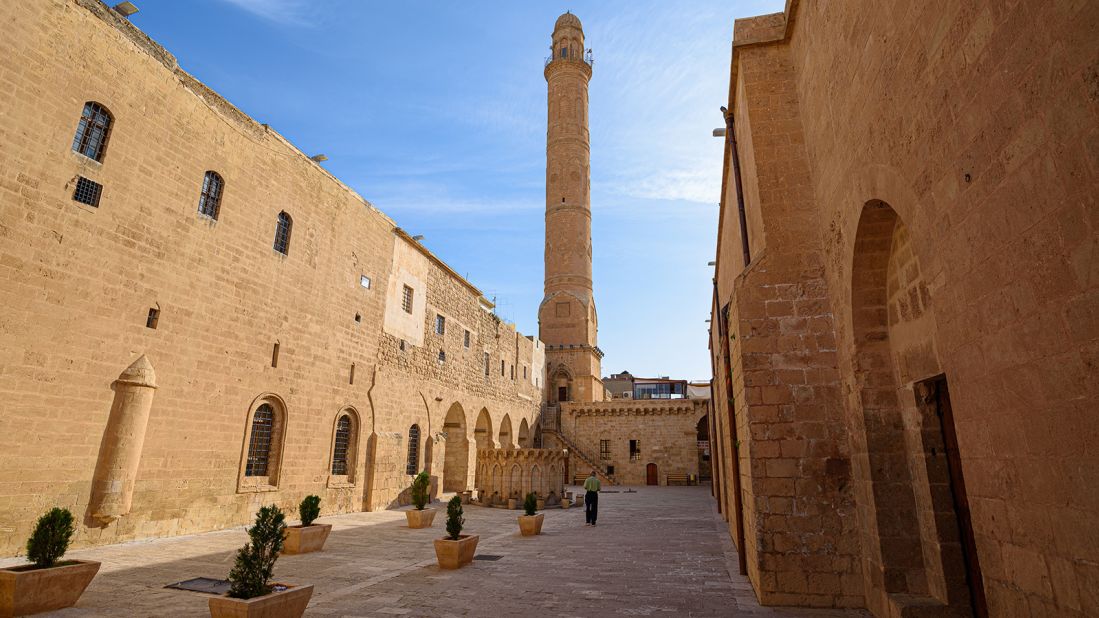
(591, 499)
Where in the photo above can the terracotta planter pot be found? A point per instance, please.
(513, 504)
(455, 554)
(530, 525)
(289, 603)
(541, 504)
(565, 503)
(305, 539)
(420, 519)
(27, 590)
(579, 499)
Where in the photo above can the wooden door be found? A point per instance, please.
(961, 502)
(651, 477)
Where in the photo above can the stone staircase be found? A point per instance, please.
(581, 455)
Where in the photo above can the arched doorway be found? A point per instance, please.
(903, 451)
(524, 434)
(651, 476)
(482, 436)
(702, 437)
(505, 432)
(456, 450)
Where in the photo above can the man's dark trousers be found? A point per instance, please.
(591, 506)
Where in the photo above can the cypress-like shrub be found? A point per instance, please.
(530, 504)
(454, 519)
(251, 575)
(309, 510)
(420, 488)
(51, 538)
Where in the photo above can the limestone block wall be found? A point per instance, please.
(512, 473)
(228, 323)
(937, 157)
(667, 432)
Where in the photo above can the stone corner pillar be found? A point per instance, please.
(123, 439)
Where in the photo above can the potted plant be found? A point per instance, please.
(565, 503)
(308, 537)
(531, 523)
(251, 592)
(456, 549)
(420, 517)
(46, 584)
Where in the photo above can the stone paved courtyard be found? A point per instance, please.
(658, 552)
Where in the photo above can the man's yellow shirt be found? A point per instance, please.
(592, 484)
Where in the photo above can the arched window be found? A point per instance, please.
(282, 233)
(209, 203)
(413, 449)
(342, 442)
(259, 444)
(92, 132)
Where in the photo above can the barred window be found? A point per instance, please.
(209, 202)
(486, 363)
(604, 449)
(406, 300)
(87, 192)
(413, 449)
(466, 339)
(343, 440)
(442, 356)
(282, 233)
(92, 131)
(259, 445)
(440, 325)
(635, 450)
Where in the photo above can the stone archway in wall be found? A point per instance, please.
(524, 434)
(505, 432)
(483, 438)
(456, 450)
(561, 385)
(913, 535)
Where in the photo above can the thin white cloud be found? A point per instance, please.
(286, 12)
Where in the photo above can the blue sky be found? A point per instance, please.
(436, 113)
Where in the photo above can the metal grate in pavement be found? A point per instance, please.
(202, 584)
(487, 557)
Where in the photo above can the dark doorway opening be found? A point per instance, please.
(562, 393)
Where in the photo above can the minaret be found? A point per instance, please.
(567, 318)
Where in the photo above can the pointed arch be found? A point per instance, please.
(524, 434)
(456, 450)
(505, 432)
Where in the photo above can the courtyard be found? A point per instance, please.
(660, 551)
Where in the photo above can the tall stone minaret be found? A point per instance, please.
(567, 318)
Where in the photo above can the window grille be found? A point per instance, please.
(92, 131)
(413, 449)
(486, 363)
(343, 441)
(406, 300)
(440, 325)
(442, 356)
(209, 202)
(466, 339)
(282, 233)
(604, 449)
(87, 192)
(635, 450)
(259, 446)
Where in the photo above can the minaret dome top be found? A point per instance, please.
(568, 20)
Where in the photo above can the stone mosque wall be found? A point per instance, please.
(905, 366)
(310, 345)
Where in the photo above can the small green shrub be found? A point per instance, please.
(251, 575)
(454, 519)
(420, 488)
(50, 538)
(309, 509)
(530, 504)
